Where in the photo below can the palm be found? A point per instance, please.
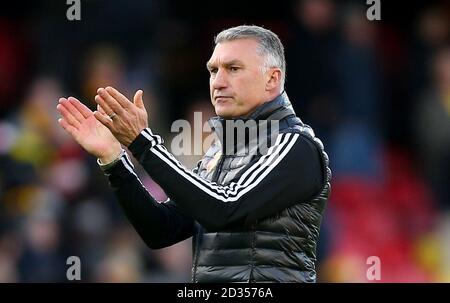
(80, 122)
(94, 137)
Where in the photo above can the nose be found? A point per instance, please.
(219, 80)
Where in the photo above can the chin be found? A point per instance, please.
(223, 112)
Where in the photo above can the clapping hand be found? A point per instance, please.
(125, 119)
(79, 121)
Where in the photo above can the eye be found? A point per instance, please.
(213, 71)
(234, 68)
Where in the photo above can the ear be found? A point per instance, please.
(273, 78)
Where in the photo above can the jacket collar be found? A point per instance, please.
(276, 109)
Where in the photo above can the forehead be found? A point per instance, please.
(245, 50)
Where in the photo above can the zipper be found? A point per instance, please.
(253, 248)
(196, 244)
(214, 178)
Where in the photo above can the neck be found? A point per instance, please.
(272, 95)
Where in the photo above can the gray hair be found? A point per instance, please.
(270, 45)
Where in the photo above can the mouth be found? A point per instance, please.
(222, 99)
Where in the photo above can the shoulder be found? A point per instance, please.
(307, 136)
(307, 149)
(296, 148)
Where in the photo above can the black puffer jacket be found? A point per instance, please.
(277, 248)
(254, 216)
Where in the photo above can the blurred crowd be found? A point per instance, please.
(376, 92)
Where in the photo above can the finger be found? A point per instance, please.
(101, 110)
(83, 109)
(105, 120)
(67, 115)
(60, 101)
(123, 101)
(73, 110)
(110, 101)
(100, 101)
(67, 127)
(138, 101)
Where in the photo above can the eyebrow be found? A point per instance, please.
(210, 65)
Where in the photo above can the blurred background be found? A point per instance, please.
(376, 92)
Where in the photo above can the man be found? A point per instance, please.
(254, 216)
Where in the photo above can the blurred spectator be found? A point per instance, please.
(432, 33)
(42, 260)
(10, 247)
(174, 264)
(104, 65)
(433, 127)
(358, 74)
(311, 73)
(15, 59)
(122, 261)
(358, 96)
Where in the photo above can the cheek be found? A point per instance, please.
(252, 93)
(249, 89)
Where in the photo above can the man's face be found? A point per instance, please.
(237, 84)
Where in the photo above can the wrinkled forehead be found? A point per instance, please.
(244, 50)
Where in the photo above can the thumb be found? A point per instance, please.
(138, 101)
